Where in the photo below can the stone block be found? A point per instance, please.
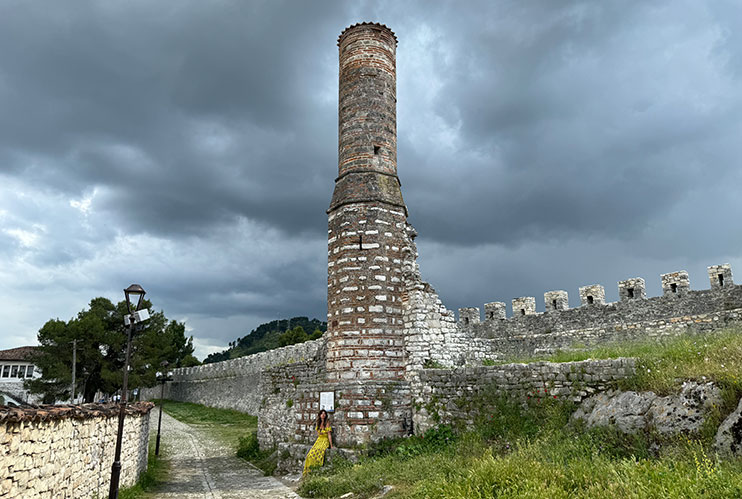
(555, 301)
(675, 283)
(525, 305)
(494, 311)
(469, 315)
(632, 289)
(593, 294)
(720, 276)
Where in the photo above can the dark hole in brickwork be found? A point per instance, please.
(522, 311)
(721, 280)
(590, 299)
(553, 302)
(360, 241)
(376, 150)
(674, 287)
(466, 320)
(630, 292)
(334, 323)
(492, 315)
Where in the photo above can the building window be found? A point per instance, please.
(590, 300)
(29, 371)
(674, 287)
(522, 311)
(466, 320)
(13, 371)
(21, 371)
(6, 371)
(721, 280)
(554, 302)
(376, 150)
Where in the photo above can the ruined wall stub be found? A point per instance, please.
(367, 218)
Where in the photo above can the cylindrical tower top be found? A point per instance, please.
(368, 100)
(367, 118)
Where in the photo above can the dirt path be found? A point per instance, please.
(200, 466)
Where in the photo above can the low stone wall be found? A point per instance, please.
(232, 384)
(441, 394)
(67, 451)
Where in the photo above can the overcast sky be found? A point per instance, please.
(191, 147)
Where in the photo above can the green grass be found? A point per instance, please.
(663, 363)
(149, 480)
(536, 452)
(225, 425)
(235, 429)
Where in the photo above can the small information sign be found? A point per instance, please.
(327, 401)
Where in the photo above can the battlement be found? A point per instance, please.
(631, 292)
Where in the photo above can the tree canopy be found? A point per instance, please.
(268, 336)
(101, 350)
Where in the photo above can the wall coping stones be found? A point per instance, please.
(57, 412)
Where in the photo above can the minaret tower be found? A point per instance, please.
(367, 218)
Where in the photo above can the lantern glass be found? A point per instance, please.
(134, 296)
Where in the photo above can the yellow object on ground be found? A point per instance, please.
(316, 456)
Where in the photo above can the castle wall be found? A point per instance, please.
(445, 396)
(594, 323)
(68, 451)
(232, 384)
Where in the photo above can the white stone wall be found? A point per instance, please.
(70, 457)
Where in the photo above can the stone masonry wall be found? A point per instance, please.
(364, 410)
(632, 318)
(67, 451)
(440, 394)
(232, 384)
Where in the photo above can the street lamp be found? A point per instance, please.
(133, 293)
(162, 377)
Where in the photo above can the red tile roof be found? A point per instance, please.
(20, 353)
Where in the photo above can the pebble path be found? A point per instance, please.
(202, 467)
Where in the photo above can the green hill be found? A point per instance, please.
(271, 335)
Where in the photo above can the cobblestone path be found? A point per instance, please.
(201, 466)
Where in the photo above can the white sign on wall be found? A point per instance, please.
(327, 401)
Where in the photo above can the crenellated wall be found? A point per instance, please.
(67, 451)
(635, 316)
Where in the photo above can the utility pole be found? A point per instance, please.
(74, 368)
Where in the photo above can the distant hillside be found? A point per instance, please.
(271, 335)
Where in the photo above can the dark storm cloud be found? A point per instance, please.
(193, 144)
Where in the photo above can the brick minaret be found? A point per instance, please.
(367, 219)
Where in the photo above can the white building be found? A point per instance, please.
(15, 366)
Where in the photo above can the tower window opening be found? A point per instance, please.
(376, 150)
(590, 299)
(630, 292)
(522, 311)
(466, 321)
(674, 287)
(721, 280)
(492, 315)
(554, 303)
(360, 241)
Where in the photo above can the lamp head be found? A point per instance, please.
(134, 296)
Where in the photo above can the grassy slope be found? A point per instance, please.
(536, 453)
(224, 425)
